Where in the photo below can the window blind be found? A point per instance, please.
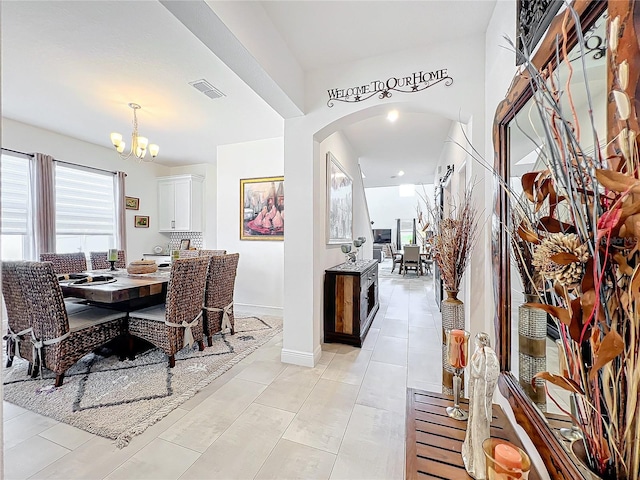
(15, 195)
(84, 202)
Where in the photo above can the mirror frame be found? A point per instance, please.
(556, 458)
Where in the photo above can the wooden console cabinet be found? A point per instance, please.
(350, 301)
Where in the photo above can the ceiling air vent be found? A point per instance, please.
(205, 87)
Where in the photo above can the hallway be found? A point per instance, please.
(345, 418)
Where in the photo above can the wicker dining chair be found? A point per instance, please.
(188, 254)
(66, 262)
(211, 253)
(60, 339)
(177, 323)
(218, 302)
(99, 260)
(18, 335)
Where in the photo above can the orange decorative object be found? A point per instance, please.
(505, 461)
(458, 348)
(508, 456)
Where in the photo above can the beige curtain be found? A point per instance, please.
(121, 213)
(44, 204)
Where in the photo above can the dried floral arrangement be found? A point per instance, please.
(588, 258)
(454, 237)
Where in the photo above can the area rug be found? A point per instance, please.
(120, 399)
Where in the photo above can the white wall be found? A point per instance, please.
(260, 278)
(386, 205)
(140, 183)
(464, 60)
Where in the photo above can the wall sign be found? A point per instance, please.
(416, 82)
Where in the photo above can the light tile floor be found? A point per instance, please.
(343, 419)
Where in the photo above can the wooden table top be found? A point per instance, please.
(126, 288)
(434, 440)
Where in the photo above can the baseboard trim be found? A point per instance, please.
(246, 308)
(304, 359)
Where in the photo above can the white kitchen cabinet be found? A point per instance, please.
(180, 203)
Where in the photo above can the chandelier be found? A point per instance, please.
(139, 145)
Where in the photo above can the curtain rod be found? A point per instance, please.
(60, 161)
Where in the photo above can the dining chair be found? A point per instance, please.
(59, 338)
(66, 262)
(211, 253)
(188, 254)
(99, 260)
(18, 337)
(218, 301)
(411, 259)
(178, 322)
(396, 258)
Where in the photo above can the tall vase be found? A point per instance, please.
(532, 350)
(452, 318)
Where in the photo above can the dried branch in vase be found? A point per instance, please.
(455, 235)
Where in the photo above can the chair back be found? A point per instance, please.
(188, 253)
(185, 294)
(99, 260)
(221, 280)
(66, 262)
(14, 298)
(212, 253)
(45, 303)
(411, 253)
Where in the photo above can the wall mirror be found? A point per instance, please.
(527, 345)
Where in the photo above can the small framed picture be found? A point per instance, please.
(131, 203)
(141, 221)
(185, 243)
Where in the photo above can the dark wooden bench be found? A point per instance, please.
(434, 441)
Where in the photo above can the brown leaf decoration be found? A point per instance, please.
(630, 206)
(562, 314)
(624, 267)
(528, 235)
(612, 345)
(564, 258)
(618, 182)
(528, 180)
(575, 328)
(562, 382)
(587, 279)
(553, 225)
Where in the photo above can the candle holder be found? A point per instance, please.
(505, 461)
(112, 258)
(458, 354)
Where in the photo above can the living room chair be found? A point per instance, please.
(178, 322)
(99, 260)
(218, 303)
(411, 259)
(60, 339)
(18, 337)
(66, 262)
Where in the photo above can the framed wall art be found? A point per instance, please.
(131, 203)
(339, 203)
(141, 221)
(262, 208)
(185, 244)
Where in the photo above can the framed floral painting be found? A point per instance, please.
(339, 203)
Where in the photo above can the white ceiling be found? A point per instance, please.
(323, 33)
(72, 67)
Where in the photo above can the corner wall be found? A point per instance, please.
(260, 277)
(140, 183)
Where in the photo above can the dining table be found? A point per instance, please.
(125, 292)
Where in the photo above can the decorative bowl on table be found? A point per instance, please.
(142, 266)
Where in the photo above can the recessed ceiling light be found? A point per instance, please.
(392, 116)
(401, 173)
